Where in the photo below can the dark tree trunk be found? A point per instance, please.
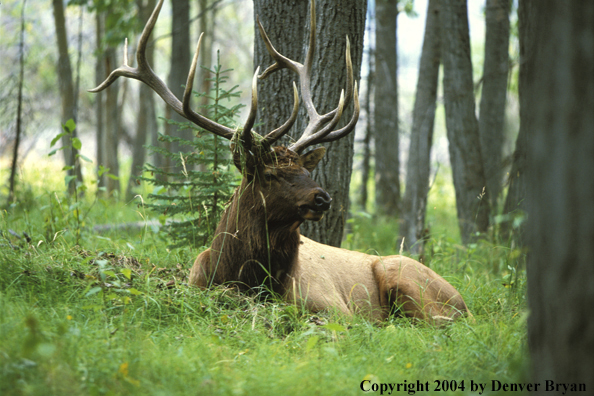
(67, 94)
(560, 196)
(385, 115)
(100, 98)
(112, 113)
(515, 201)
(180, 66)
(108, 110)
(287, 25)
(462, 126)
(414, 202)
(207, 18)
(146, 123)
(494, 92)
(17, 139)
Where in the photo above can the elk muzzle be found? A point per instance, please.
(319, 204)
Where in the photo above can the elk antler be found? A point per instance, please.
(143, 72)
(319, 128)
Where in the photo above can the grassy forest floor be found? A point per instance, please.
(110, 313)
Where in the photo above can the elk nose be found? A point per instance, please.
(322, 200)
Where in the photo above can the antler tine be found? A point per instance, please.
(319, 126)
(190, 81)
(190, 114)
(125, 70)
(281, 61)
(324, 135)
(246, 135)
(283, 129)
(348, 128)
(144, 73)
(309, 140)
(349, 69)
(315, 132)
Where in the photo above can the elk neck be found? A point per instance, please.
(250, 245)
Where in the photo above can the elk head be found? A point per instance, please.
(280, 174)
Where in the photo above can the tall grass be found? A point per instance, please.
(114, 315)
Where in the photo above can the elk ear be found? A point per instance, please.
(310, 159)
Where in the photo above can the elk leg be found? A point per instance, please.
(416, 291)
(198, 275)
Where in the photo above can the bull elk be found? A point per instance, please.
(258, 242)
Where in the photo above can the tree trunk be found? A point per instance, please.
(560, 196)
(67, 94)
(275, 98)
(146, 124)
(112, 124)
(328, 79)
(100, 97)
(180, 66)
(414, 202)
(207, 27)
(366, 163)
(385, 115)
(516, 193)
(17, 139)
(494, 94)
(462, 126)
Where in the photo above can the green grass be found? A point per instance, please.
(113, 315)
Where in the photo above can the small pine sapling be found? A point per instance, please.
(190, 201)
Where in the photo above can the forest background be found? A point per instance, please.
(68, 246)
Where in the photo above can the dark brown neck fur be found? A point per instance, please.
(249, 249)
(257, 240)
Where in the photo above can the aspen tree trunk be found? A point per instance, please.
(99, 98)
(207, 27)
(180, 66)
(112, 125)
(17, 140)
(385, 115)
(560, 191)
(287, 24)
(414, 202)
(366, 162)
(67, 94)
(515, 204)
(462, 127)
(146, 123)
(494, 92)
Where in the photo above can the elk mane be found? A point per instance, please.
(249, 247)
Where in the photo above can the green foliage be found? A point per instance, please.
(65, 211)
(190, 201)
(114, 315)
(121, 19)
(69, 208)
(111, 321)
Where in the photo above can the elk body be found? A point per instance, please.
(257, 241)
